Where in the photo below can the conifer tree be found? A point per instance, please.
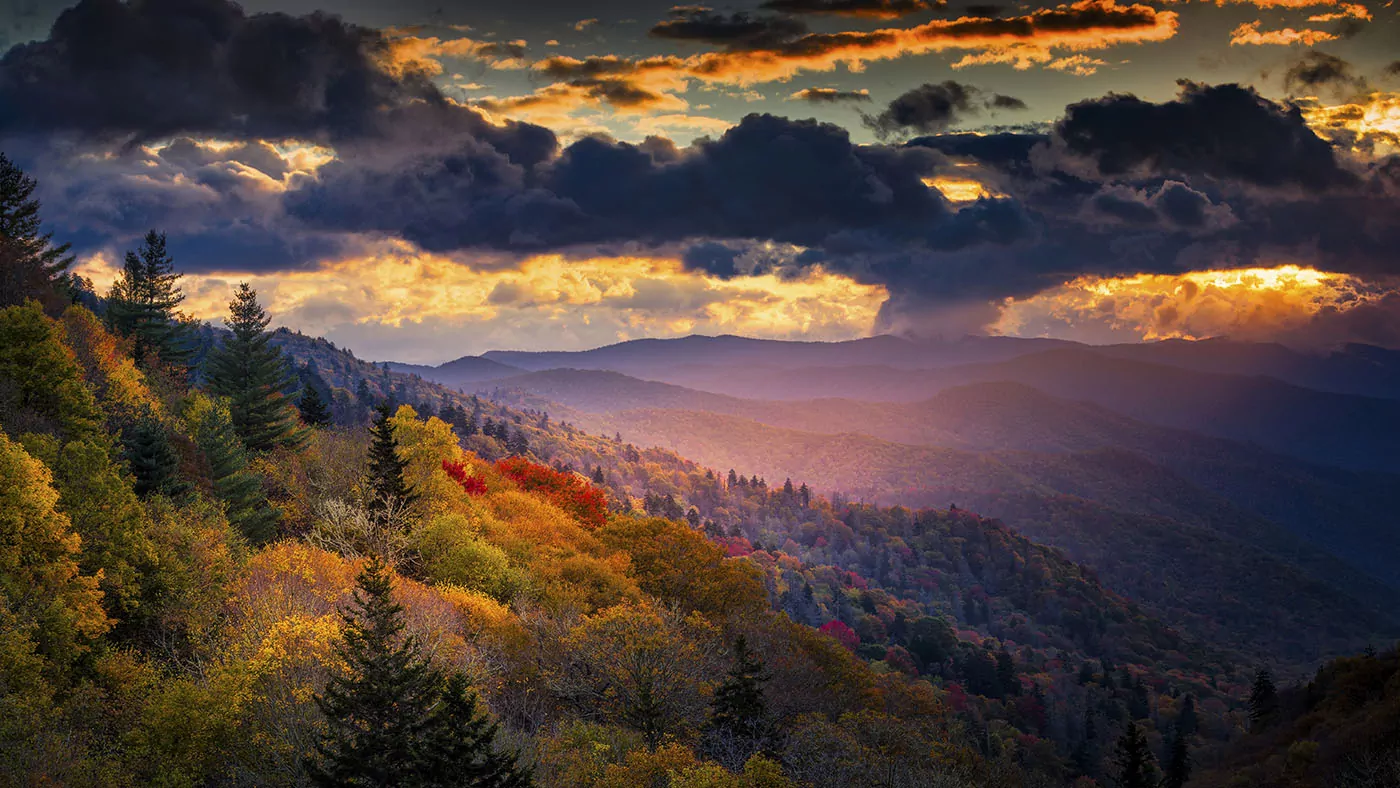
(1133, 759)
(254, 377)
(151, 458)
(239, 488)
(387, 485)
(1263, 699)
(380, 708)
(739, 724)
(31, 266)
(142, 305)
(313, 409)
(1178, 768)
(458, 749)
(1186, 722)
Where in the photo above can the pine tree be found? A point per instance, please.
(1186, 722)
(142, 306)
(380, 709)
(1178, 769)
(1135, 768)
(1263, 699)
(739, 724)
(152, 460)
(255, 378)
(387, 484)
(1006, 673)
(240, 489)
(458, 747)
(313, 409)
(31, 266)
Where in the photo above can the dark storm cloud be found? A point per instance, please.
(933, 107)
(876, 9)
(1317, 69)
(735, 31)
(1392, 70)
(150, 68)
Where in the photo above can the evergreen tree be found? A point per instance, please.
(1006, 673)
(142, 305)
(1178, 769)
(517, 443)
(739, 724)
(151, 458)
(313, 409)
(458, 748)
(387, 484)
(1263, 699)
(1186, 723)
(597, 478)
(380, 708)
(240, 489)
(254, 377)
(31, 266)
(1135, 768)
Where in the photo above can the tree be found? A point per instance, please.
(387, 485)
(1263, 699)
(151, 458)
(31, 266)
(1135, 768)
(313, 409)
(240, 489)
(255, 378)
(739, 724)
(142, 304)
(1178, 769)
(459, 746)
(1186, 722)
(379, 708)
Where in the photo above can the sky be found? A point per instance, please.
(422, 180)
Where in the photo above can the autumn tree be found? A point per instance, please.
(31, 265)
(143, 304)
(255, 378)
(1133, 760)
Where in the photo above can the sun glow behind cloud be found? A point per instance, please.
(1249, 303)
(395, 300)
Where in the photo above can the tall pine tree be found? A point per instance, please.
(152, 460)
(143, 302)
(1263, 700)
(314, 412)
(31, 265)
(739, 724)
(255, 378)
(458, 749)
(239, 488)
(388, 488)
(1178, 768)
(1133, 760)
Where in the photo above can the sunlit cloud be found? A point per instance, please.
(1249, 34)
(1368, 126)
(395, 300)
(1251, 303)
(958, 190)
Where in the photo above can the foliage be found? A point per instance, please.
(567, 491)
(42, 387)
(211, 425)
(388, 489)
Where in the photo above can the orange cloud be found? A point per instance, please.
(1347, 11)
(1251, 303)
(1369, 126)
(1249, 34)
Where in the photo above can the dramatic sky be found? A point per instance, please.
(424, 179)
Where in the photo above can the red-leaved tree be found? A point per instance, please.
(569, 492)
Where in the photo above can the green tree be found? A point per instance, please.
(313, 409)
(151, 458)
(458, 749)
(1133, 759)
(31, 266)
(1263, 699)
(739, 724)
(42, 387)
(255, 378)
(143, 302)
(1178, 769)
(239, 488)
(388, 488)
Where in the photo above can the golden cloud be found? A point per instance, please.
(1249, 34)
(1368, 126)
(1249, 303)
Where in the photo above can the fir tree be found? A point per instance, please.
(380, 708)
(255, 377)
(1133, 759)
(739, 724)
(387, 484)
(458, 749)
(1186, 722)
(313, 409)
(31, 266)
(1178, 768)
(143, 302)
(151, 458)
(1006, 673)
(240, 489)
(1263, 699)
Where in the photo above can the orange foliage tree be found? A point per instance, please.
(568, 491)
